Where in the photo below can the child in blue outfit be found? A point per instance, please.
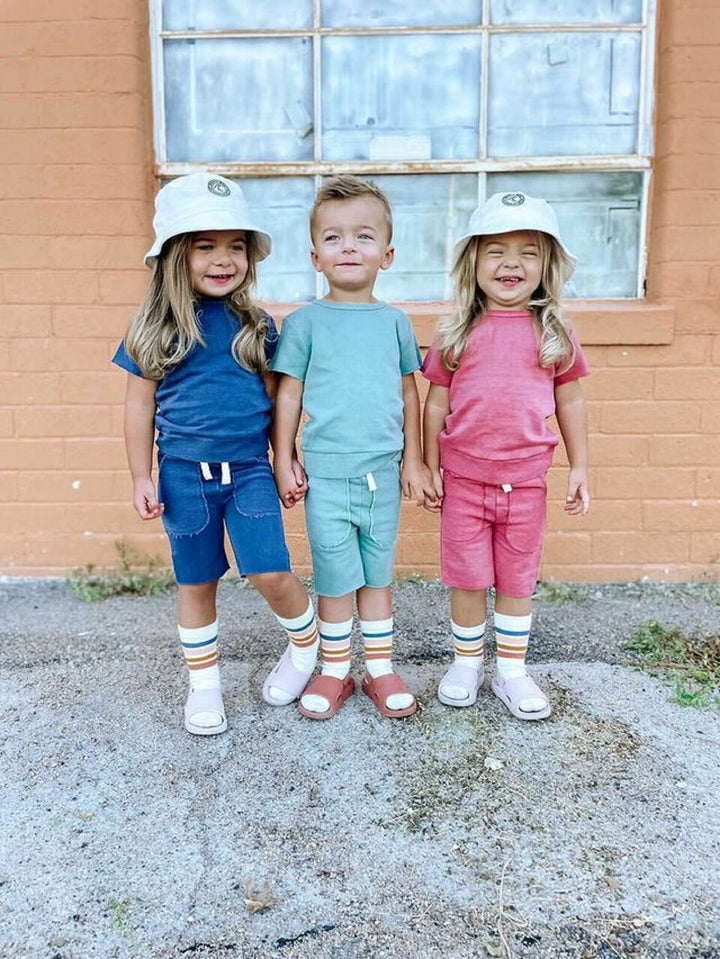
(349, 361)
(197, 354)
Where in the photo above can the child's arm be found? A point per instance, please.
(290, 477)
(139, 436)
(414, 477)
(572, 420)
(437, 407)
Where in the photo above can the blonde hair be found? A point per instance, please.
(556, 345)
(165, 328)
(346, 188)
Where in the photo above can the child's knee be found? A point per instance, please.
(273, 587)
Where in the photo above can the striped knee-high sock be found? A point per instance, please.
(377, 638)
(468, 644)
(200, 651)
(511, 637)
(335, 648)
(302, 632)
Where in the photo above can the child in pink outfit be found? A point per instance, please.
(499, 368)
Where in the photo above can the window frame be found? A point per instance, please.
(639, 161)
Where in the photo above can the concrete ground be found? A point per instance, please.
(457, 833)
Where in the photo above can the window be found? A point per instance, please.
(441, 104)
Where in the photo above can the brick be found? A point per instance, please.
(565, 547)
(692, 172)
(681, 450)
(710, 417)
(415, 519)
(116, 181)
(716, 348)
(707, 482)
(88, 353)
(690, 100)
(619, 482)
(8, 485)
(117, 74)
(50, 286)
(689, 23)
(62, 421)
(696, 514)
(687, 207)
(123, 287)
(100, 321)
(417, 548)
(96, 252)
(700, 316)
(673, 280)
(90, 453)
(705, 549)
(89, 38)
(591, 573)
(5, 358)
(7, 421)
(618, 547)
(25, 321)
(619, 450)
(691, 383)
(29, 388)
(66, 486)
(39, 10)
(42, 217)
(685, 350)
(686, 243)
(619, 384)
(640, 416)
(88, 387)
(24, 454)
(100, 146)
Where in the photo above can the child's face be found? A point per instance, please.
(217, 261)
(350, 244)
(509, 269)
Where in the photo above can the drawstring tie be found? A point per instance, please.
(225, 478)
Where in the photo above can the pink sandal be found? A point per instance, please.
(378, 690)
(335, 690)
(286, 676)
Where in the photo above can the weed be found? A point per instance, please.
(690, 663)
(135, 574)
(557, 594)
(258, 900)
(119, 909)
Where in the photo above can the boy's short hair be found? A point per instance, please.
(346, 188)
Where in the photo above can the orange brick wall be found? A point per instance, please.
(75, 212)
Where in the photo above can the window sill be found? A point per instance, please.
(598, 322)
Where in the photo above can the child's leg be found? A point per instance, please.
(512, 629)
(468, 612)
(197, 627)
(335, 626)
(376, 623)
(287, 598)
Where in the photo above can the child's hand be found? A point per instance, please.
(435, 492)
(415, 481)
(145, 499)
(291, 487)
(577, 501)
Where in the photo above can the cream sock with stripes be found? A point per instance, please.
(377, 637)
(469, 648)
(511, 638)
(200, 651)
(335, 648)
(302, 632)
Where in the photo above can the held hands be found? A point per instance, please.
(145, 499)
(577, 501)
(434, 497)
(291, 482)
(416, 481)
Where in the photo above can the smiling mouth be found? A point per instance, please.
(510, 280)
(222, 277)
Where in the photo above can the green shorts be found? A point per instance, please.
(352, 530)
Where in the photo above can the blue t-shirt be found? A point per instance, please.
(210, 409)
(352, 358)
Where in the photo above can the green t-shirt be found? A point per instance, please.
(352, 358)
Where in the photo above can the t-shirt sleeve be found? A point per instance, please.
(580, 365)
(272, 339)
(125, 362)
(410, 357)
(292, 355)
(433, 369)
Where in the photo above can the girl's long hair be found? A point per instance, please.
(165, 328)
(556, 345)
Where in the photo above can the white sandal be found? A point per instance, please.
(467, 678)
(512, 690)
(205, 701)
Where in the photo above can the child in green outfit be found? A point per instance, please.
(348, 360)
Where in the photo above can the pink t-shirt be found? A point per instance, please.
(500, 400)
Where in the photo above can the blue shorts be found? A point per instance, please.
(198, 510)
(353, 530)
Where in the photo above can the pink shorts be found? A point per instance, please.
(489, 537)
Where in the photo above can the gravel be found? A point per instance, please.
(456, 833)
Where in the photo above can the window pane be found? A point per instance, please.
(213, 104)
(579, 94)
(282, 206)
(599, 216)
(399, 13)
(565, 11)
(236, 14)
(400, 98)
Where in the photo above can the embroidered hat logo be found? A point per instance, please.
(218, 188)
(513, 199)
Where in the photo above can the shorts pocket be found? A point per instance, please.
(526, 518)
(462, 517)
(327, 513)
(180, 489)
(254, 490)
